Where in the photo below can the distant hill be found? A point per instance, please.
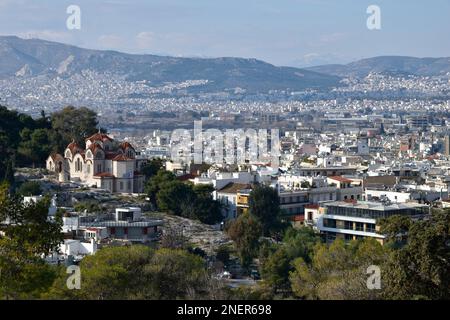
(388, 65)
(33, 57)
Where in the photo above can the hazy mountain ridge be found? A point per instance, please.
(389, 65)
(33, 57)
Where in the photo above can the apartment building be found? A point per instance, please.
(352, 220)
(346, 189)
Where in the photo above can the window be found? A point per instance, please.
(99, 167)
(370, 227)
(129, 186)
(88, 168)
(329, 223)
(121, 185)
(348, 225)
(78, 165)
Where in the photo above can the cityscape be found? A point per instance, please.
(127, 175)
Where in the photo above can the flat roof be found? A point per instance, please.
(233, 187)
(125, 224)
(340, 179)
(373, 205)
(328, 168)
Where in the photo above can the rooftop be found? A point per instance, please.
(126, 224)
(373, 205)
(234, 187)
(340, 179)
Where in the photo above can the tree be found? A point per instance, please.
(135, 272)
(277, 260)
(29, 225)
(23, 140)
(26, 235)
(35, 146)
(151, 168)
(184, 199)
(9, 173)
(112, 273)
(203, 190)
(206, 209)
(264, 205)
(176, 274)
(245, 231)
(420, 265)
(154, 184)
(30, 188)
(395, 229)
(73, 124)
(22, 275)
(11, 123)
(176, 198)
(301, 242)
(338, 271)
(275, 271)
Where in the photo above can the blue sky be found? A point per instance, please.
(282, 32)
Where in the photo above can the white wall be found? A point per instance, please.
(393, 196)
(76, 247)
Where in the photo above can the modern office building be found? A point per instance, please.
(352, 220)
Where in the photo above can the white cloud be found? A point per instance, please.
(50, 35)
(145, 40)
(110, 41)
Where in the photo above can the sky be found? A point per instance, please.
(283, 32)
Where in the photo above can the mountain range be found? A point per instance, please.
(28, 58)
(388, 65)
(33, 57)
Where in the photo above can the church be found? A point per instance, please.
(104, 163)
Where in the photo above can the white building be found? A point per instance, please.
(75, 248)
(359, 219)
